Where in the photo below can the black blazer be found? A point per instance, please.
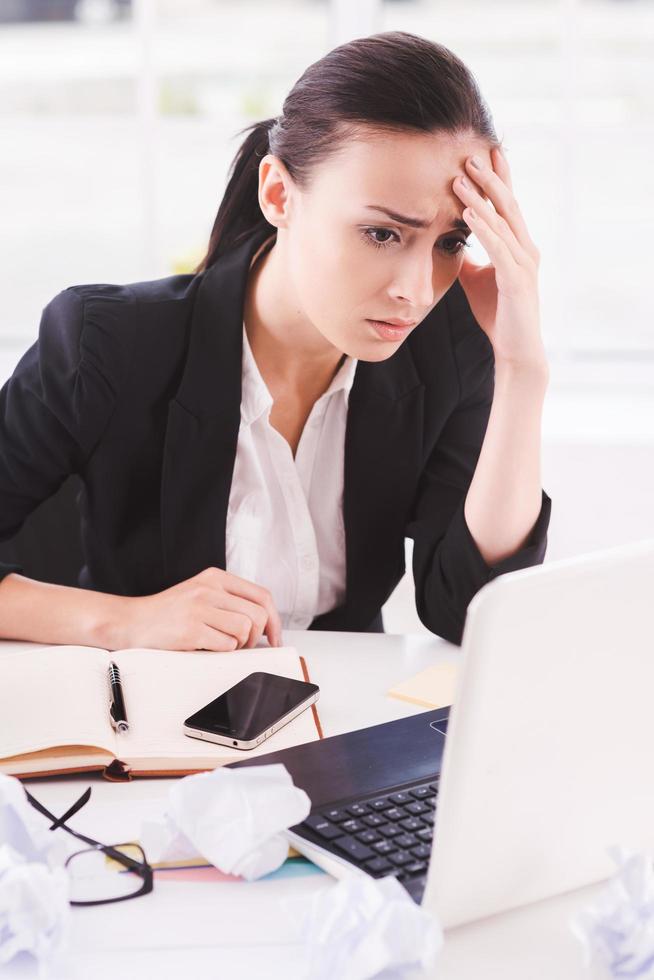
(137, 388)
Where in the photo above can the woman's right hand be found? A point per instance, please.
(213, 610)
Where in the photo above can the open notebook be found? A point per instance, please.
(54, 709)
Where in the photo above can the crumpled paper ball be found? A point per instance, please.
(34, 887)
(34, 910)
(234, 818)
(27, 830)
(617, 929)
(363, 927)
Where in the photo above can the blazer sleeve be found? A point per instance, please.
(55, 406)
(448, 567)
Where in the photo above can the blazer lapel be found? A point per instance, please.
(203, 421)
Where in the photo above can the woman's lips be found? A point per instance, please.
(388, 331)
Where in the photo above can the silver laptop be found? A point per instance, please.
(543, 761)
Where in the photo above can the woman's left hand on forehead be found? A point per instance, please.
(503, 295)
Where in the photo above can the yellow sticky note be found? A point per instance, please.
(433, 687)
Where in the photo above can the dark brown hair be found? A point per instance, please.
(391, 81)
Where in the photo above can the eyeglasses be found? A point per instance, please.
(101, 873)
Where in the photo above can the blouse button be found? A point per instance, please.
(308, 563)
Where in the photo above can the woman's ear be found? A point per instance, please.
(274, 191)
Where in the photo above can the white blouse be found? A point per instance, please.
(285, 526)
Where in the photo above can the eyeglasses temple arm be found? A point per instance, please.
(84, 798)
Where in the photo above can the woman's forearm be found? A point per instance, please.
(46, 613)
(504, 497)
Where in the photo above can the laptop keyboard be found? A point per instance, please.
(383, 835)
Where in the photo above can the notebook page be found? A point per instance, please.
(52, 696)
(162, 688)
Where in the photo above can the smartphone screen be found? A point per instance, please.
(252, 706)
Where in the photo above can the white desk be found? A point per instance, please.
(228, 929)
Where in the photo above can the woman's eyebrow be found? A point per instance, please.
(403, 219)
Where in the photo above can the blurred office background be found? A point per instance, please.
(119, 121)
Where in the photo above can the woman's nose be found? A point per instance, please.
(415, 285)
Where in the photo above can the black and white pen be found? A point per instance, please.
(117, 713)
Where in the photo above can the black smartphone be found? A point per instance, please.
(248, 713)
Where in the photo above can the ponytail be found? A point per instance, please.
(239, 214)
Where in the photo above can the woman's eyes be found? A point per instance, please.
(456, 244)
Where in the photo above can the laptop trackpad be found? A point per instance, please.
(439, 726)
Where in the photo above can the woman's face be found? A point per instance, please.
(348, 262)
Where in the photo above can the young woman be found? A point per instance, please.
(256, 440)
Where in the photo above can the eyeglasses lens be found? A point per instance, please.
(95, 876)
